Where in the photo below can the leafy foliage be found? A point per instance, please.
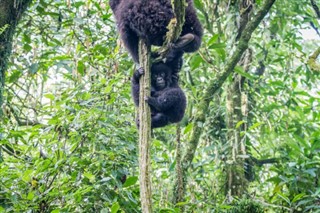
(69, 141)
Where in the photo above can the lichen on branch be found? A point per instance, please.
(174, 27)
(312, 62)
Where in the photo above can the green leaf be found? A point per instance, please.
(14, 76)
(26, 38)
(188, 128)
(49, 96)
(182, 203)
(239, 124)
(198, 4)
(27, 175)
(285, 198)
(90, 176)
(115, 207)
(81, 68)
(213, 39)
(196, 61)
(130, 181)
(298, 197)
(239, 70)
(217, 46)
(255, 125)
(27, 47)
(33, 68)
(30, 195)
(105, 210)
(166, 210)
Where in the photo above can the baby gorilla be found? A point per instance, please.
(167, 101)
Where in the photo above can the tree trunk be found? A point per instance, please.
(179, 189)
(237, 115)
(10, 13)
(236, 100)
(236, 184)
(216, 83)
(145, 130)
(175, 28)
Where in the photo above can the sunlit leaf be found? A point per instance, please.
(130, 181)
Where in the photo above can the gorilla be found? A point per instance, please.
(167, 100)
(149, 20)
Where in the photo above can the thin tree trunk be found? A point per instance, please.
(178, 190)
(236, 182)
(237, 106)
(175, 28)
(145, 130)
(235, 174)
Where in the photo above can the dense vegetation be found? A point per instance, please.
(68, 140)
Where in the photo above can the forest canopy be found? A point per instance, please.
(249, 140)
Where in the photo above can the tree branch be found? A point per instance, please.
(315, 8)
(219, 79)
(261, 162)
(312, 62)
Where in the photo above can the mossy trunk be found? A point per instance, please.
(216, 83)
(236, 183)
(145, 130)
(236, 117)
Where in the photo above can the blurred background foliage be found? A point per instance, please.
(69, 141)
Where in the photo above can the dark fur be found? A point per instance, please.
(150, 20)
(167, 104)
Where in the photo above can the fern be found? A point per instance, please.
(2, 29)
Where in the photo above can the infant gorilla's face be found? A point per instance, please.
(159, 80)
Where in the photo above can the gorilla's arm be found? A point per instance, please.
(191, 26)
(135, 86)
(192, 32)
(130, 41)
(175, 65)
(114, 4)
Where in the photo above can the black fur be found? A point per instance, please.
(149, 20)
(167, 101)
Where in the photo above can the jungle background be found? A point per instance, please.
(68, 139)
